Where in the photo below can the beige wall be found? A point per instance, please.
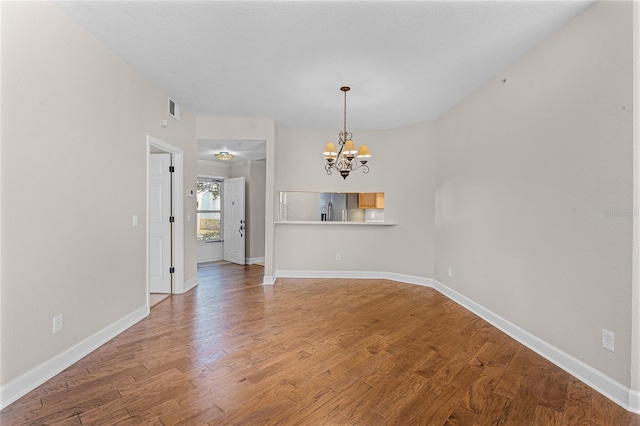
(301, 165)
(534, 176)
(75, 119)
(402, 166)
(257, 189)
(301, 168)
(410, 200)
(212, 168)
(635, 319)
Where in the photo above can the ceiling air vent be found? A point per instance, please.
(174, 109)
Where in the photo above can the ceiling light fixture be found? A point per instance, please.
(224, 156)
(348, 158)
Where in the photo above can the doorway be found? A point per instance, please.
(209, 219)
(220, 219)
(168, 247)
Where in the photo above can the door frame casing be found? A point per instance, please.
(177, 188)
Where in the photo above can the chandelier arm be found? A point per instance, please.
(341, 143)
(328, 167)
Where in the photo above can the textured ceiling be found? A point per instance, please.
(241, 148)
(406, 62)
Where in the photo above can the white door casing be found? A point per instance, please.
(159, 225)
(234, 220)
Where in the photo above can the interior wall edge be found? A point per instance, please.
(635, 302)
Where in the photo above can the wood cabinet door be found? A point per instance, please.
(367, 200)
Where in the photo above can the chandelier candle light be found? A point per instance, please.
(348, 158)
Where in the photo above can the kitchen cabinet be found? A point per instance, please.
(371, 200)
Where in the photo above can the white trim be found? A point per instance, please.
(208, 260)
(45, 371)
(409, 279)
(330, 274)
(634, 401)
(625, 397)
(268, 280)
(178, 212)
(252, 260)
(190, 283)
(332, 223)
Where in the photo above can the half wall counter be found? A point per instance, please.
(332, 208)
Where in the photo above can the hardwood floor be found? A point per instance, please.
(312, 352)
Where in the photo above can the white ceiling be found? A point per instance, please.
(405, 61)
(241, 148)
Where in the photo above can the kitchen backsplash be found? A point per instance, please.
(374, 215)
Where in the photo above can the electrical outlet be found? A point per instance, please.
(338, 256)
(450, 272)
(57, 323)
(608, 340)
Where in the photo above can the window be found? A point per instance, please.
(208, 213)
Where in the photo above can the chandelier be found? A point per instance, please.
(224, 156)
(348, 158)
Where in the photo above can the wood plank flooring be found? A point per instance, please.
(312, 352)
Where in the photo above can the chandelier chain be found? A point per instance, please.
(345, 115)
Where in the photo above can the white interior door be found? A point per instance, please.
(233, 220)
(159, 225)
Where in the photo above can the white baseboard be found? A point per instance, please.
(625, 397)
(34, 378)
(209, 259)
(634, 401)
(252, 260)
(189, 284)
(409, 279)
(268, 280)
(329, 274)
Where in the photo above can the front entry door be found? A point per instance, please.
(233, 220)
(159, 223)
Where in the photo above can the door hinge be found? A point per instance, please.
(172, 270)
(172, 219)
(172, 169)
